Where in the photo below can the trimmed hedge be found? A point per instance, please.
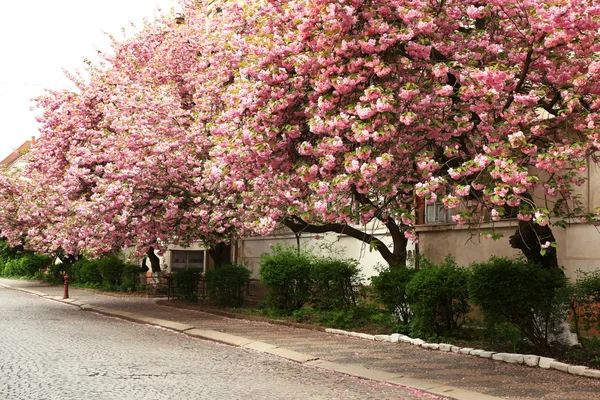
(532, 298)
(286, 274)
(110, 273)
(295, 278)
(390, 290)
(586, 301)
(186, 283)
(226, 284)
(333, 283)
(26, 265)
(438, 297)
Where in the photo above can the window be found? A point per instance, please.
(436, 213)
(187, 259)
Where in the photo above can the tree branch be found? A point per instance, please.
(298, 225)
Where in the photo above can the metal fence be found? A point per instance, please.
(164, 284)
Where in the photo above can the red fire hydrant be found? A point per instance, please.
(66, 294)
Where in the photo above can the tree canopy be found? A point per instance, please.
(322, 115)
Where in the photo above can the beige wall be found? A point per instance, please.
(467, 246)
(578, 248)
(578, 245)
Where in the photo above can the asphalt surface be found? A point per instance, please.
(50, 350)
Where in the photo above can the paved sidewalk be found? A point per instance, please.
(448, 374)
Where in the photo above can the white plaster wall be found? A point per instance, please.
(331, 244)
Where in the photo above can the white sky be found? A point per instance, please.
(40, 38)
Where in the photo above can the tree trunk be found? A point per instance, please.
(220, 254)
(154, 260)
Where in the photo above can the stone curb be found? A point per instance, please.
(355, 370)
(529, 360)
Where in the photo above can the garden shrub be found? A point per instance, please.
(437, 295)
(17, 262)
(111, 269)
(186, 284)
(31, 264)
(344, 318)
(111, 273)
(26, 265)
(586, 301)
(334, 283)
(11, 268)
(86, 272)
(226, 284)
(351, 317)
(527, 295)
(55, 273)
(286, 274)
(130, 278)
(390, 289)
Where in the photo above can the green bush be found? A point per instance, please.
(8, 253)
(526, 295)
(130, 278)
(586, 301)
(351, 317)
(111, 270)
(110, 273)
(26, 265)
(334, 283)
(186, 284)
(33, 263)
(11, 268)
(390, 290)
(55, 273)
(84, 271)
(438, 297)
(226, 284)
(286, 274)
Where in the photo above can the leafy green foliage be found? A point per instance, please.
(186, 284)
(86, 272)
(9, 253)
(334, 283)
(226, 284)
(390, 290)
(588, 352)
(28, 265)
(111, 270)
(286, 274)
(294, 278)
(362, 315)
(586, 301)
(16, 262)
(55, 273)
(110, 273)
(529, 296)
(130, 278)
(438, 297)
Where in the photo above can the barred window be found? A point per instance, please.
(181, 259)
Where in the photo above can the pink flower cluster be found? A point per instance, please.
(331, 111)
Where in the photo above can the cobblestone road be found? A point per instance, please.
(53, 351)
